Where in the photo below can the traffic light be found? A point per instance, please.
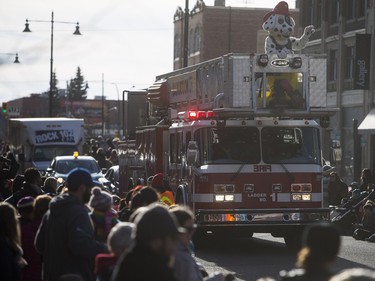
(5, 107)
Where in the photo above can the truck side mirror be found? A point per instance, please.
(192, 153)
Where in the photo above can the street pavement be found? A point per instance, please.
(265, 256)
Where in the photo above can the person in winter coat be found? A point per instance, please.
(66, 237)
(185, 267)
(11, 260)
(367, 183)
(103, 215)
(165, 193)
(337, 190)
(366, 228)
(120, 242)
(156, 232)
(320, 246)
(31, 186)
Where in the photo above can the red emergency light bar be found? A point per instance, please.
(196, 115)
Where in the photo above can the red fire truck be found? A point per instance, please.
(237, 139)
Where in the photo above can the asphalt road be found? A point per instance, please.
(265, 256)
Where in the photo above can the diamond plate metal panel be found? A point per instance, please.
(241, 82)
(318, 88)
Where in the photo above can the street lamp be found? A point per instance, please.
(119, 125)
(12, 54)
(51, 80)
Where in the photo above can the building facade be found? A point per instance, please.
(345, 33)
(217, 30)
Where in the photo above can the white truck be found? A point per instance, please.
(35, 141)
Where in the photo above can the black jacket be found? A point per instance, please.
(9, 267)
(142, 264)
(66, 239)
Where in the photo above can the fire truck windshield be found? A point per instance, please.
(290, 145)
(250, 145)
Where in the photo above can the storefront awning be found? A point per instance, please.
(368, 124)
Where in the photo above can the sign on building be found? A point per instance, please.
(362, 61)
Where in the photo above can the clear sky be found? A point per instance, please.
(126, 42)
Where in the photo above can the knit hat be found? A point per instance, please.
(25, 202)
(100, 200)
(157, 181)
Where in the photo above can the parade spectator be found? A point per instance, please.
(33, 270)
(5, 188)
(156, 234)
(66, 237)
(8, 166)
(120, 242)
(161, 186)
(185, 267)
(141, 197)
(113, 157)
(25, 208)
(103, 216)
(116, 202)
(353, 186)
(337, 189)
(31, 186)
(367, 179)
(321, 244)
(11, 260)
(103, 162)
(367, 226)
(50, 186)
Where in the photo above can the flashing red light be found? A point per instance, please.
(198, 115)
(202, 114)
(193, 115)
(210, 114)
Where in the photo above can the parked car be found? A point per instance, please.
(60, 166)
(112, 179)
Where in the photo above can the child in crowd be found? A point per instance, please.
(120, 241)
(103, 215)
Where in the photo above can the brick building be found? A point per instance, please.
(218, 30)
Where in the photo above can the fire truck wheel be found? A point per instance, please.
(293, 240)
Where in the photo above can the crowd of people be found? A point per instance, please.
(78, 231)
(353, 205)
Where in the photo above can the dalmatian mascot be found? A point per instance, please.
(280, 25)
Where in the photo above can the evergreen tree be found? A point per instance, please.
(77, 88)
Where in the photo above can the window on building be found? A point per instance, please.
(177, 46)
(191, 42)
(349, 74)
(334, 12)
(350, 9)
(361, 11)
(318, 13)
(197, 40)
(332, 71)
(310, 12)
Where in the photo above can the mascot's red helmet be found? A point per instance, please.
(281, 9)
